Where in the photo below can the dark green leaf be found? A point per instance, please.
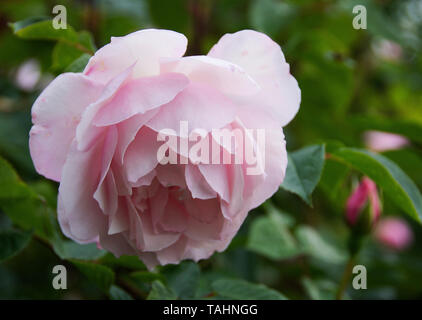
(145, 276)
(101, 276)
(183, 279)
(68, 249)
(11, 186)
(12, 241)
(117, 293)
(243, 290)
(304, 171)
(160, 292)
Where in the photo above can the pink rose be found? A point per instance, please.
(101, 134)
(394, 233)
(364, 195)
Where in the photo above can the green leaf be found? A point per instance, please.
(101, 276)
(11, 186)
(387, 175)
(79, 64)
(68, 249)
(160, 292)
(320, 289)
(43, 30)
(24, 206)
(117, 293)
(12, 242)
(128, 262)
(318, 247)
(145, 276)
(304, 171)
(183, 279)
(64, 55)
(270, 236)
(243, 290)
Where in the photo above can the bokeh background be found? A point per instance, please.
(352, 81)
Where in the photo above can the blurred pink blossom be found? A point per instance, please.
(388, 50)
(394, 233)
(28, 75)
(382, 141)
(365, 193)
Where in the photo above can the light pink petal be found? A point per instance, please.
(80, 211)
(236, 184)
(117, 244)
(216, 177)
(275, 162)
(106, 192)
(141, 155)
(139, 96)
(201, 106)
(197, 184)
(264, 61)
(143, 48)
(55, 115)
(146, 237)
(128, 129)
(86, 132)
(173, 254)
(222, 75)
(119, 221)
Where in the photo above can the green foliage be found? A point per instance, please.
(304, 171)
(269, 235)
(70, 47)
(160, 292)
(117, 293)
(184, 279)
(318, 247)
(242, 290)
(11, 242)
(101, 276)
(395, 183)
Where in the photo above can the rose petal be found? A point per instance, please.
(55, 115)
(142, 48)
(264, 61)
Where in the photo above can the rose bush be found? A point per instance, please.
(96, 133)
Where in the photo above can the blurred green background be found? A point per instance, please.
(351, 81)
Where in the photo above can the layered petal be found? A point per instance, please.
(55, 115)
(143, 48)
(264, 61)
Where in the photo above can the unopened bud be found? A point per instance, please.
(363, 206)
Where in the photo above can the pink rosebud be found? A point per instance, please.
(382, 141)
(99, 133)
(366, 193)
(394, 233)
